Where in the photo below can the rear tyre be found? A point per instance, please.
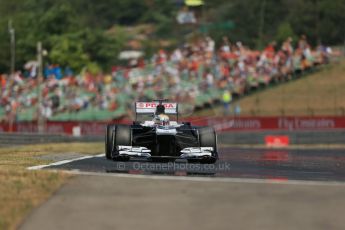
(110, 130)
(123, 136)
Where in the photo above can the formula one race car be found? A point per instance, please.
(159, 138)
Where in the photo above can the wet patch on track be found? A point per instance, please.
(275, 164)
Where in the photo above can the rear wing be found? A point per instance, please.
(150, 108)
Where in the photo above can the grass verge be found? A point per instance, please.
(320, 93)
(22, 190)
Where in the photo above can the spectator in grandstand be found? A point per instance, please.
(302, 43)
(227, 98)
(195, 72)
(3, 81)
(237, 110)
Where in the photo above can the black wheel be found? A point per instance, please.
(123, 136)
(208, 138)
(110, 130)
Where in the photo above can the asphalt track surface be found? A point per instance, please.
(246, 189)
(272, 164)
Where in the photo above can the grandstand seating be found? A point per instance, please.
(92, 100)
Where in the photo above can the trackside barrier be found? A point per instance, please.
(324, 137)
(231, 130)
(15, 139)
(232, 138)
(221, 124)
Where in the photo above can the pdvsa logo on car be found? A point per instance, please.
(140, 105)
(154, 105)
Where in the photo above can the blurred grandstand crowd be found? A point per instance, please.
(196, 74)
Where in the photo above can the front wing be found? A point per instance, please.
(184, 143)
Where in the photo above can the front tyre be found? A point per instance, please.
(109, 145)
(208, 138)
(123, 136)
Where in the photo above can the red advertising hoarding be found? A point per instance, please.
(221, 124)
(276, 123)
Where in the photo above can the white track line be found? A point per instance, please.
(37, 167)
(183, 178)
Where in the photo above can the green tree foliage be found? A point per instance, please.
(81, 48)
(284, 31)
(321, 20)
(246, 14)
(75, 32)
(68, 50)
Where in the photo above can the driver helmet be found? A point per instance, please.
(160, 109)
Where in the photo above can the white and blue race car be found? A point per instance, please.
(160, 138)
